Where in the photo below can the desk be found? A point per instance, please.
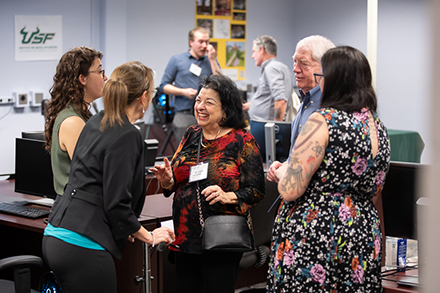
(406, 146)
(23, 236)
(390, 285)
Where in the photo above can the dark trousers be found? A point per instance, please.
(78, 269)
(213, 272)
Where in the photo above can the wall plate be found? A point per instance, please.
(36, 98)
(21, 99)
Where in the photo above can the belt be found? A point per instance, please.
(88, 197)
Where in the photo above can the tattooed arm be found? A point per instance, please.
(306, 156)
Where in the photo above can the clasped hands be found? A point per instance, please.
(212, 193)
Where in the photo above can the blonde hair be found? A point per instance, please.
(127, 83)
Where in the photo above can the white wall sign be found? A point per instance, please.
(38, 37)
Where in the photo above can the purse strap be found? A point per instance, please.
(199, 201)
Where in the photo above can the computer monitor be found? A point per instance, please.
(38, 135)
(33, 169)
(399, 197)
(282, 138)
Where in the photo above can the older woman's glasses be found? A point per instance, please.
(318, 77)
(102, 72)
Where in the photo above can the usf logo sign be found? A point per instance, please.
(35, 37)
(38, 37)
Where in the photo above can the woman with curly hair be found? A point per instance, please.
(78, 81)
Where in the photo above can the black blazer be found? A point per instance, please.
(106, 190)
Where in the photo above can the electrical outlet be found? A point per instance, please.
(6, 100)
(36, 98)
(21, 100)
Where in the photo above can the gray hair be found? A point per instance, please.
(268, 43)
(318, 45)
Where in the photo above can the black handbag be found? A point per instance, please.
(227, 233)
(224, 232)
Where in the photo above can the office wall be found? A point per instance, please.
(152, 31)
(403, 57)
(34, 75)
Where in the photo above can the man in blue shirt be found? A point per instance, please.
(306, 62)
(182, 74)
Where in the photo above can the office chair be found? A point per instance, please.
(262, 216)
(22, 274)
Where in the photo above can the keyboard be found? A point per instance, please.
(23, 211)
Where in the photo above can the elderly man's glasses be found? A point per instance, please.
(102, 72)
(318, 77)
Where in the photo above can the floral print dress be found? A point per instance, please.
(329, 239)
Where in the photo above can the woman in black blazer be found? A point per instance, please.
(105, 194)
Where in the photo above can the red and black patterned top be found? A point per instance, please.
(235, 164)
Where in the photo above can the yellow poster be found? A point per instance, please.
(226, 22)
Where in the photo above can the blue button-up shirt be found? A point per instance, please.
(177, 73)
(311, 102)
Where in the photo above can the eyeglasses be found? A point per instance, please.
(318, 77)
(153, 92)
(102, 72)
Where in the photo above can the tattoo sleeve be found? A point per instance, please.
(304, 160)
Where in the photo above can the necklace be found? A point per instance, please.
(218, 132)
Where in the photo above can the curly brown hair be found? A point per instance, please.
(67, 89)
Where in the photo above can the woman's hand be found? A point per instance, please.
(271, 174)
(280, 171)
(214, 194)
(162, 234)
(164, 174)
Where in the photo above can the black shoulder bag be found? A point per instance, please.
(224, 232)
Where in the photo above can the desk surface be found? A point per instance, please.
(156, 207)
(389, 283)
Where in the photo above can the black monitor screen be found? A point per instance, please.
(33, 170)
(399, 197)
(282, 137)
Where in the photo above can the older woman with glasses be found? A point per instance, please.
(232, 184)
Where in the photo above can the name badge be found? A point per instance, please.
(195, 69)
(198, 172)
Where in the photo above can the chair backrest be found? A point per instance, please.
(263, 215)
(22, 276)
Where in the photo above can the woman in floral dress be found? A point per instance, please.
(326, 236)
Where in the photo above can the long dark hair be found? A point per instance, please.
(229, 97)
(67, 89)
(347, 80)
